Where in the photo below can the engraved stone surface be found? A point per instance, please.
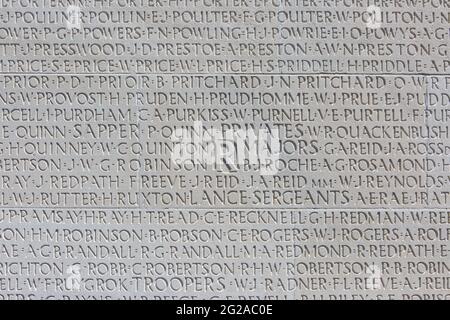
(232, 149)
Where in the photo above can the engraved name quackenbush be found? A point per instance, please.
(224, 149)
